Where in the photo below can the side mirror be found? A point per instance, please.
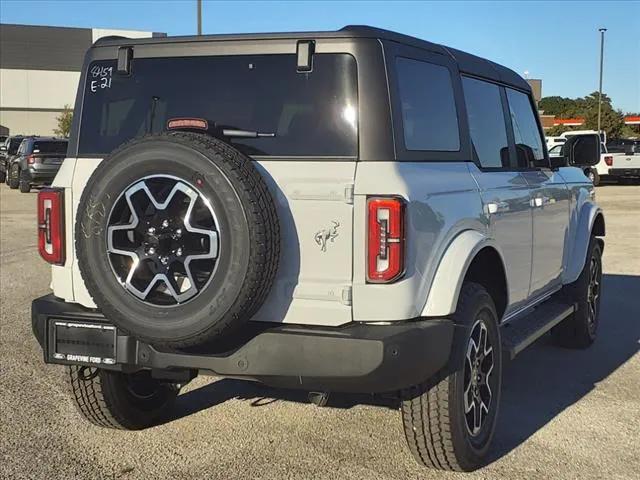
(582, 150)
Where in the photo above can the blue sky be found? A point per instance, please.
(555, 41)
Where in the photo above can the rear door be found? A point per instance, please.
(305, 145)
(549, 196)
(49, 153)
(315, 206)
(504, 191)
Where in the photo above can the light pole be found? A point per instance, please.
(601, 30)
(199, 3)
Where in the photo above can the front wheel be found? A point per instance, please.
(450, 425)
(579, 330)
(118, 400)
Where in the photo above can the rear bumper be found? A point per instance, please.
(625, 172)
(42, 175)
(356, 358)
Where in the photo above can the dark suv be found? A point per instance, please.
(37, 161)
(8, 150)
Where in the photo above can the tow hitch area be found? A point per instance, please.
(82, 342)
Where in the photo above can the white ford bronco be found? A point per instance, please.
(348, 211)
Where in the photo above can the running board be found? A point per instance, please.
(519, 333)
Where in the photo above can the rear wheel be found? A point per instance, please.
(121, 401)
(592, 175)
(3, 177)
(13, 179)
(24, 182)
(579, 330)
(450, 425)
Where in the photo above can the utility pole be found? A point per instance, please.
(199, 2)
(601, 30)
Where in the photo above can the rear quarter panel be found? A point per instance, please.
(442, 201)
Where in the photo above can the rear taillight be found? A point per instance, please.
(608, 159)
(51, 225)
(31, 159)
(385, 246)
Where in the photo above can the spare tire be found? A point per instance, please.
(177, 238)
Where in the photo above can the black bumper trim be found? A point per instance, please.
(625, 172)
(358, 358)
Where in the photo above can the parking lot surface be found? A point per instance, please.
(564, 414)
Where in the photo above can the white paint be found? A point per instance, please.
(37, 88)
(97, 33)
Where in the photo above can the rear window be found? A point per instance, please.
(50, 147)
(429, 117)
(311, 114)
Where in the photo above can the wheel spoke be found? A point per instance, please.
(167, 238)
(479, 366)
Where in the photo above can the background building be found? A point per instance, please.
(39, 73)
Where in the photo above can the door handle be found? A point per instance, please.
(496, 207)
(538, 202)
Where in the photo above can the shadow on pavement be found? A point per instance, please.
(537, 386)
(544, 380)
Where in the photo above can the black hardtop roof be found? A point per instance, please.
(467, 62)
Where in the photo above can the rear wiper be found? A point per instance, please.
(235, 133)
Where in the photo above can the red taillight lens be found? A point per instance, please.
(51, 225)
(385, 247)
(608, 159)
(31, 159)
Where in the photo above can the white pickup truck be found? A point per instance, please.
(611, 165)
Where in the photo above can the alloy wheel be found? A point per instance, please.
(593, 293)
(163, 240)
(478, 381)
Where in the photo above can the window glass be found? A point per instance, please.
(311, 114)
(525, 129)
(49, 147)
(429, 117)
(486, 123)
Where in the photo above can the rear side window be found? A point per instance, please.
(311, 114)
(486, 123)
(525, 129)
(429, 117)
(50, 147)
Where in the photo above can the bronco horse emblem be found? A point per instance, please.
(327, 234)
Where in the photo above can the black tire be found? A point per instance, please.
(24, 183)
(433, 414)
(13, 179)
(249, 237)
(592, 175)
(3, 177)
(580, 329)
(121, 401)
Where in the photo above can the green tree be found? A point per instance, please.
(556, 130)
(64, 122)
